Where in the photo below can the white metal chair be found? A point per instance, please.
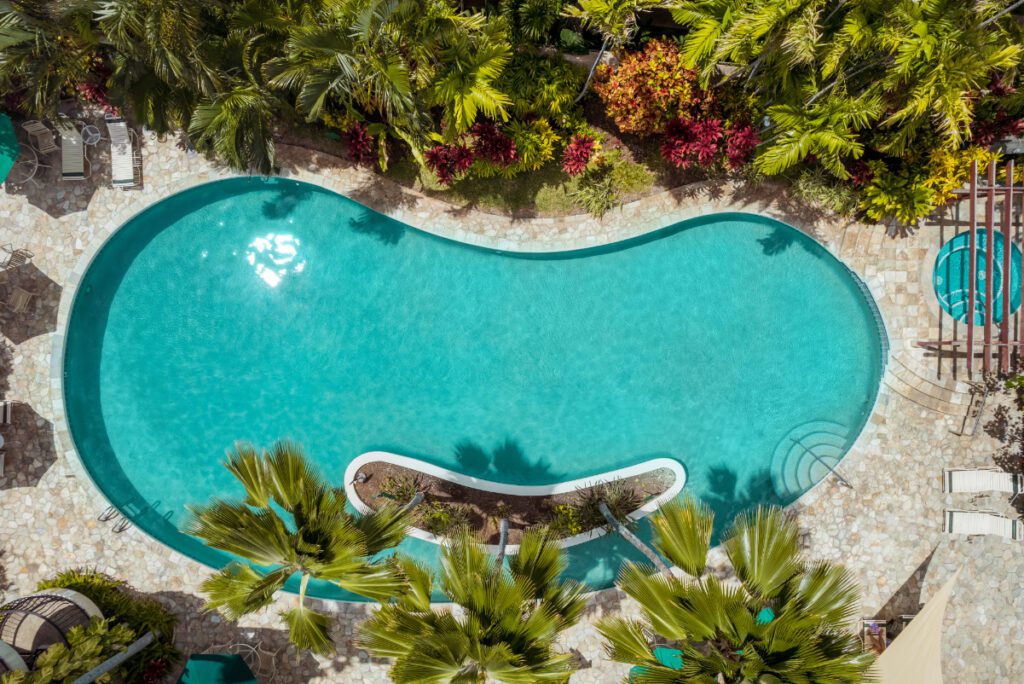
(981, 522)
(42, 135)
(73, 162)
(122, 154)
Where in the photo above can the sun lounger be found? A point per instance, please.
(42, 136)
(981, 481)
(72, 151)
(15, 257)
(122, 154)
(980, 522)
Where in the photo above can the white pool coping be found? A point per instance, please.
(565, 487)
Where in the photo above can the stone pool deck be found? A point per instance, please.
(886, 527)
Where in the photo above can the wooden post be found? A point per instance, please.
(972, 272)
(990, 244)
(1004, 329)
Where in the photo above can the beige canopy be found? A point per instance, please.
(915, 656)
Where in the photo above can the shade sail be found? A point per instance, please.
(915, 656)
(8, 146)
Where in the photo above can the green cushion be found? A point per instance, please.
(216, 668)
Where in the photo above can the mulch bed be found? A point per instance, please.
(482, 507)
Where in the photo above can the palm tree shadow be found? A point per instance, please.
(506, 462)
(728, 498)
(205, 632)
(29, 448)
(387, 230)
(287, 198)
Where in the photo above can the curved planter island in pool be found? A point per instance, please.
(415, 464)
(252, 309)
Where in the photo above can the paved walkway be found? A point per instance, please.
(887, 528)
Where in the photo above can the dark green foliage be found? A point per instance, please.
(542, 85)
(122, 604)
(87, 648)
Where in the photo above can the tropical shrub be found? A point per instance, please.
(443, 519)
(565, 521)
(648, 89)
(360, 144)
(531, 20)
(787, 621)
(595, 191)
(741, 141)
(293, 522)
(541, 85)
(706, 143)
(510, 616)
(448, 161)
(122, 605)
(822, 190)
(577, 154)
(87, 647)
(400, 488)
(492, 146)
(897, 196)
(535, 143)
(572, 42)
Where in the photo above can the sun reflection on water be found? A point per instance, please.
(275, 256)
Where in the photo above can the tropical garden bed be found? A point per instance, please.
(450, 506)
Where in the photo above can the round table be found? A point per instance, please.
(24, 168)
(91, 135)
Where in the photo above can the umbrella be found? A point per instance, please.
(916, 654)
(9, 149)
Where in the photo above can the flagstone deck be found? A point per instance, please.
(887, 528)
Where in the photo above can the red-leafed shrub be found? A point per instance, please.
(861, 172)
(692, 142)
(741, 141)
(448, 161)
(987, 131)
(648, 88)
(490, 144)
(577, 154)
(360, 144)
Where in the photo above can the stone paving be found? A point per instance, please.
(887, 527)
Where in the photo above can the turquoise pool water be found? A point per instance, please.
(254, 309)
(952, 280)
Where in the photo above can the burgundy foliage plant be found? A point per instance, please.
(448, 161)
(577, 154)
(690, 142)
(741, 141)
(360, 144)
(492, 145)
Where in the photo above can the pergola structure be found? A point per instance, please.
(998, 335)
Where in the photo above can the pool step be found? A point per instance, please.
(806, 455)
(925, 393)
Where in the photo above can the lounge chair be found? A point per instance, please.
(980, 522)
(15, 257)
(42, 136)
(73, 161)
(122, 154)
(20, 299)
(874, 635)
(985, 480)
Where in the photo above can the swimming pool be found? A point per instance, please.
(258, 309)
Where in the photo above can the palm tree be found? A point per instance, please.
(238, 126)
(782, 620)
(45, 49)
(509, 617)
(827, 129)
(615, 20)
(320, 540)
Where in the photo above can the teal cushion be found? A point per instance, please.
(669, 657)
(764, 616)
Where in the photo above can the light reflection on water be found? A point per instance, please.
(275, 256)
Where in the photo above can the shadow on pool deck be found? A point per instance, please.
(40, 313)
(29, 448)
(199, 631)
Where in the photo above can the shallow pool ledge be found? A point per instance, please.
(676, 468)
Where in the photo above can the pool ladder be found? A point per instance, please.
(110, 513)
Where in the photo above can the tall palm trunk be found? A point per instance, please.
(633, 539)
(593, 68)
(502, 543)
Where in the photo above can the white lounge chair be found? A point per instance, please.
(122, 154)
(42, 136)
(980, 522)
(73, 162)
(982, 480)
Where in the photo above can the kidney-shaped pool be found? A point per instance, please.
(253, 309)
